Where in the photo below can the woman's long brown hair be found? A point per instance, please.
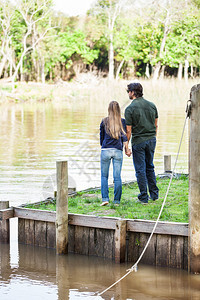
(113, 123)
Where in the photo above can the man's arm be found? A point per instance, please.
(127, 150)
(156, 124)
(128, 132)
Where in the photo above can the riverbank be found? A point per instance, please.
(88, 203)
(88, 87)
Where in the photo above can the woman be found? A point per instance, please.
(112, 139)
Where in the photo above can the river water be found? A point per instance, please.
(28, 272)
(33, 136)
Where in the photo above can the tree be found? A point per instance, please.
(183, 44)
(109, 10)
(6, 16)
(74, 47)
(32, 12)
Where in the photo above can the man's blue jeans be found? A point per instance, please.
(143, 155)
(117, 158)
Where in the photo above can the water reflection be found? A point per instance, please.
(41, 274)
(34, 136)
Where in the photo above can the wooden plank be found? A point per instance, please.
(40, 233)
(163, 249)
(171, 228)
(109, 244)
(71, 238)
(6, 213)
(133, 239)
(99, 242)
(92, 221)
(92, 242)
(35, 214)
(185, 253)
(149, 256)
(29, 230)
(176, 255)
(73, 219)
(51, 235)
(120, 241)
(21, 231)
(81, 240)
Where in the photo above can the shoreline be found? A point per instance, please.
(80, 88)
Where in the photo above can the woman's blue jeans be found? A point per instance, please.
(143, 155)
(117, 158)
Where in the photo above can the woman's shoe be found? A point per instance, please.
(104, 203)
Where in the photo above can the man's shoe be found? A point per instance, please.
(153, 199)
(104, 203)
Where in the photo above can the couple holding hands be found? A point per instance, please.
(140, 123)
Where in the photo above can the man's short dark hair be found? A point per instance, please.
(137, 88)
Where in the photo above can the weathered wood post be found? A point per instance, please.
(194, 183)
(4, 225)
(120, 241)
(167, 163)
(62, 208)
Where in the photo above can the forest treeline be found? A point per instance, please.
(116, 39)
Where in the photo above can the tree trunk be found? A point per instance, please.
(147, 72)
(34, 68)
(119, 69)
(162, 73)
(42, 70)
(162, 46)
(38, 71)
(63, 71)
(11, 68)
(2, 64)
(111, 59)
(186, 69)
(180, 71)
(51, 75)
(17, 69)
(156, 71)
(6, 71)
(21, 72)
(192, 71)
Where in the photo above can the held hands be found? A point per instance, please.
(128, 152)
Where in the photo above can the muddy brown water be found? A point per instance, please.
(28, 272)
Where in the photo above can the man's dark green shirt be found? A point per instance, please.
(141, 115)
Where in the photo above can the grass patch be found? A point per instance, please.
(175, 210)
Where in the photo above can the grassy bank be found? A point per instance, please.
(89, 87)
(175, 210)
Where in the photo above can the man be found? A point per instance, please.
(141, 119)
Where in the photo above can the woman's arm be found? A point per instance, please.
(102, 133)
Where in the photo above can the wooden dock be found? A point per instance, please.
(113, 238)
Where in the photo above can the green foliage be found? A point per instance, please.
(183, 42)
(197, 3)
(75, 43)
(138, 31)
